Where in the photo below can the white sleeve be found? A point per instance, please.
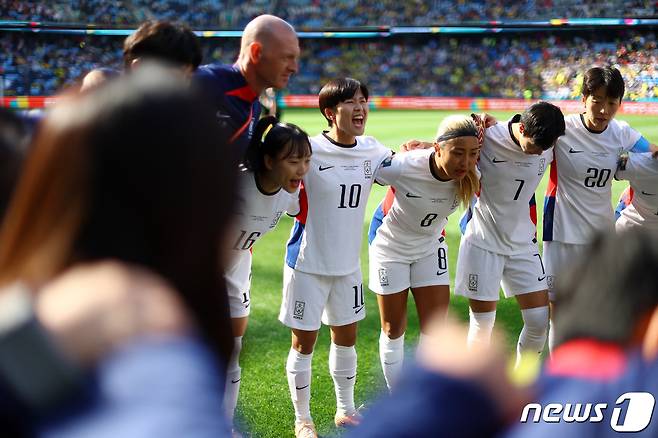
(639, 166)
(293, 207)
(632, 139)
(388, 171)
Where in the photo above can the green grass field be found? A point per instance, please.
(264, 407)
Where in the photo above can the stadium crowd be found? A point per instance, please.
(518, 66)
(309, 14)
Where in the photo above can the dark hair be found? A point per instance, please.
(163, 41)
(271, 137)
(13, 143)
(543, 123)
(339, 90)
(608, 292)
(137, 171)
(607, 77)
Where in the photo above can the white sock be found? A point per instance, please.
(480, 327)
(551, 336)
(233, 377)
(533, 335)
(391, 356)
(342, 367)
(298, 368)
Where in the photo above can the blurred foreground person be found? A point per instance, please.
(114, 234)
(14, 137)
(607, 315)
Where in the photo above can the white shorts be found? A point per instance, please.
(312, 299)
(238, 284)
(560, 256)
(388, 277)
(481, 273)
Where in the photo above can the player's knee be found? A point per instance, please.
(536, 320)
(392, 330)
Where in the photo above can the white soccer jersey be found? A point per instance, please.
(577, 202)
(410, 227)
(642, 172)
(258, 213)
(503, 219)
(326, 236)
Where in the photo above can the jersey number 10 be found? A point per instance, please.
(353, 198)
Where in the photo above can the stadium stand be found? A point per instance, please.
(536, 65)
(314, 13)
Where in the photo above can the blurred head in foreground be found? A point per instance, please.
(611, 295)
(133, 172)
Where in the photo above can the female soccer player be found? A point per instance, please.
(406, 246)
(322, 275)
(577, 202)
(499, 244)
(638, 205)
(276, 160)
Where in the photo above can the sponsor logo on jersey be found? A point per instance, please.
(574, 151)
(325, 168)
(648, 194)
(498, 161)
(550, 281)
(367, 169)
(632, 412)
(299, 310)
(383, 277)
(410, 195)
(473, 282)
(542, 166)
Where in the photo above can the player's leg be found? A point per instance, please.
(430, 285)
(233, 370)
(345, 306)
(524, 278)
(390, 281)
(478, 278)
(304, 297)
(393, 317)
(557, 257)
(238, 289)
(342, 367)
(481, 320)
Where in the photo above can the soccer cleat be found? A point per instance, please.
(305, 429)
(348, 420)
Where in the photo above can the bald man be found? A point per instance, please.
(269, 52)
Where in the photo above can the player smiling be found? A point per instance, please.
(322, 276)
(276, 160)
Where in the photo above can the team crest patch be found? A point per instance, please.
(387, 162)
(367, 169)
(383, 277)
(299, 310)
(473, 282)
(542, 166)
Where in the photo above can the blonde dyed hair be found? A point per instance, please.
(456, 126)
